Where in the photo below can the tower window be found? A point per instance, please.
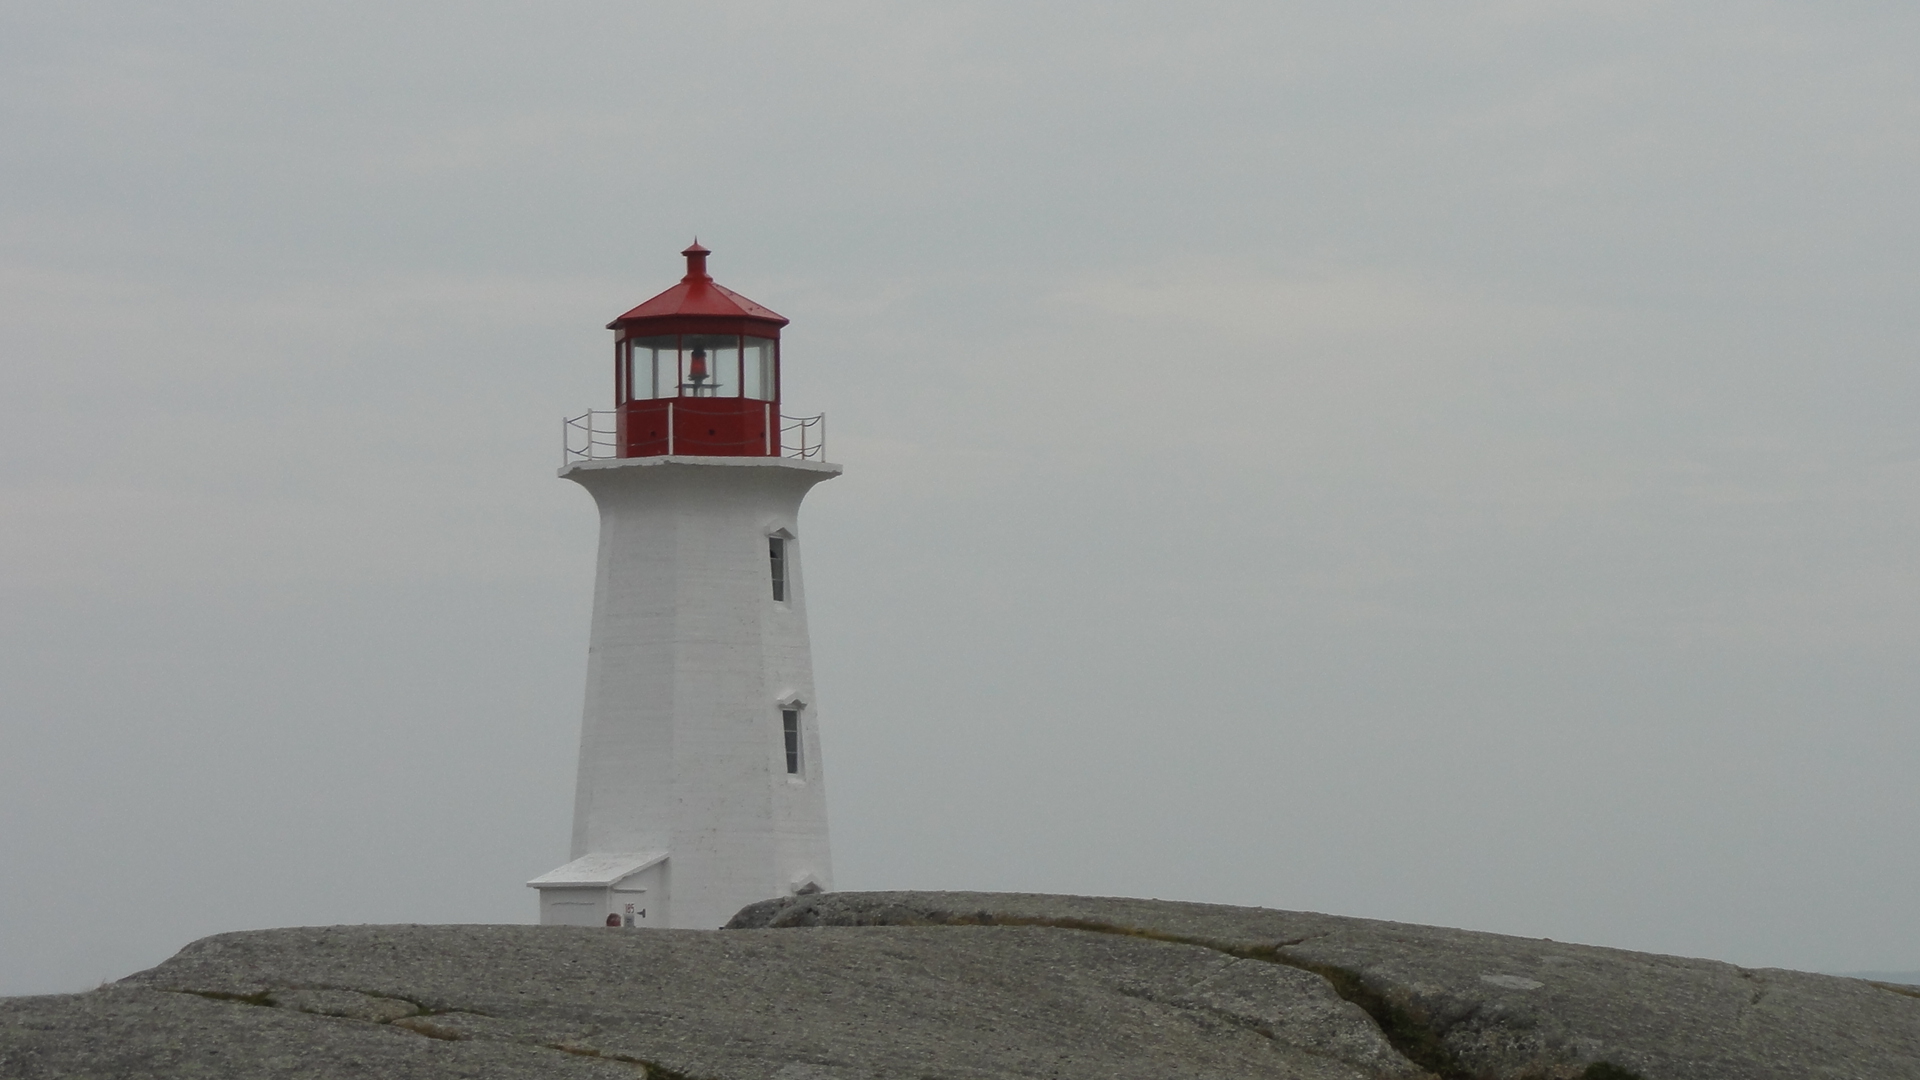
(790, 726)
(777, 554)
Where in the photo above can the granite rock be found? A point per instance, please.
(853, 986)
(1467, 1004)
(826, 1003)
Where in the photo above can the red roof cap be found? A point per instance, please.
(699, 296)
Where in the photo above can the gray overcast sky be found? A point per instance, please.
(1443, 462)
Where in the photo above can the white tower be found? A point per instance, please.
(700, 788)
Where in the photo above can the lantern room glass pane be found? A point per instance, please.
(710, 365)
(756, 369)
(656, 365)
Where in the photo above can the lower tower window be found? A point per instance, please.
(777, 555)
(790, 726)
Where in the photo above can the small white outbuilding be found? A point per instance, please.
(629, 887)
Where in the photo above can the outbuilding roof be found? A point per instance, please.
(598, 868)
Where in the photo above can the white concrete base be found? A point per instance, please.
(691, 665)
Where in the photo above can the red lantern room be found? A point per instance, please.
(697, 371)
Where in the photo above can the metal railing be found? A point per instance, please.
(804, 437)
(595, 435)
(582, 438)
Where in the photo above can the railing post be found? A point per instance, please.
(670, 405)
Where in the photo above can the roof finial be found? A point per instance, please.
(696, 262)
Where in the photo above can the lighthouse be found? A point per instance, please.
(700, 787)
